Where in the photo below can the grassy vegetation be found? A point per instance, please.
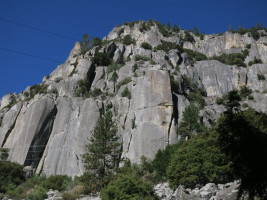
(253, 31)
(146, 26)
(36, 187)
(139, 57)
(255, 61)
(261, 77)
(188, 37)
(193, 93)
(123, 82)
(146, 45)
(192, 55)
(164, 30)
(130, 24)
(128, 40)
(126, 93)
(232, 59)
(101, 59)
(113, 67)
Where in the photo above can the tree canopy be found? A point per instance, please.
(102, 153)
(243, 136)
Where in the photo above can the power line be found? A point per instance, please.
(38, 29)
(30, 55)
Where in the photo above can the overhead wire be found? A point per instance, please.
(30, 55)
(38, 29)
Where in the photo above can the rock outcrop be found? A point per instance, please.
(47, 126)
(210, 191)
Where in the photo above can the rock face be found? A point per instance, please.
(210, 191)
(46, 127)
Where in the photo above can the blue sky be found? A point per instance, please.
(73, 18)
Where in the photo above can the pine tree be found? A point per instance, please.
(243, 137)
(102, 154)
(85, 43)
(190, 124)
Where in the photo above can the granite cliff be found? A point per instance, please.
(47, 126)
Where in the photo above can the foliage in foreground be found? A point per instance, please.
(11, 175)
(132, 181)
(36, 187)
(162, 161)
(128, 186)
(199, 161)
(243, 136)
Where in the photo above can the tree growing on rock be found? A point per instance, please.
(85, 44)
(190, 125)
(102, 154)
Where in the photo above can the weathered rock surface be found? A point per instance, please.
(73, 124)
(210, 191)
(47, 128)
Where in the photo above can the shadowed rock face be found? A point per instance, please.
(49, 129)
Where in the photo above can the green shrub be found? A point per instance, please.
(10, 174)
(188, 37)
(244, 105)
(250, 97)
(201, 36)
(96, 41)
(163, 30)
(162, 161)
(38, 193)
(56, 182)
(167, 46)
(253, 31)
(220, 101)
(126, 93)
(37, 89)
(255, 35)
(199, 161)
(114, 76)
(128, 186)
(146, 26)
(177, 68)
(130, 24)
(123, 82)
(152, 62)
(248, 46)
(147, 46)
(192, 92)
(101, 59)
(70, 196)
(82, 89)
(255, 61)
(113, 67)
(194, 55)
(95, 92)
(232, 59)
(139, 57)
(3, 151)
(245, 91)
(135, 67)
(261, 77)
(120, 31)
(127, 40)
